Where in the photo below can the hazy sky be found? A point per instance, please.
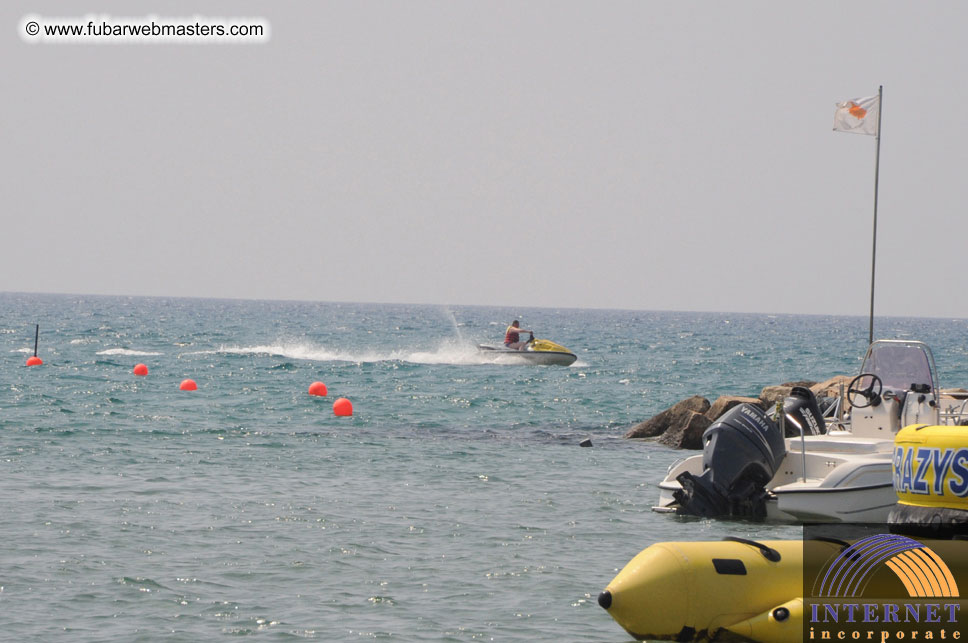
(644, 155)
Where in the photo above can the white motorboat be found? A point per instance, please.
(836, 469)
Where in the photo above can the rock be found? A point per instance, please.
(770, 395)
(675, 415)
(681, 426)
(726, 402)
(803, 383)
(831, 387)
(687, 435)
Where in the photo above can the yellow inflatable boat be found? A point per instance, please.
(930, 472)
(736, 589)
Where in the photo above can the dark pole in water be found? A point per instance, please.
(36, 339)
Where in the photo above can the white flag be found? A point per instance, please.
(858, 116)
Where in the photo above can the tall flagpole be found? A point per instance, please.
(877, 169)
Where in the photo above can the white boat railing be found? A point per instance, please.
(955, 414)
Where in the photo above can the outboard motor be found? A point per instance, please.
(802, 410)
(742, 453)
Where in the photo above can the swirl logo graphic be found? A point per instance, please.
(921, 570)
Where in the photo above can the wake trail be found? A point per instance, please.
(447, 353)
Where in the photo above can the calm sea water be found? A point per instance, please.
(454, 505)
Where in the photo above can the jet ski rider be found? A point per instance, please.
(512, 339)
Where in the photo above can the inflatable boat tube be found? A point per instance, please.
(686, 591)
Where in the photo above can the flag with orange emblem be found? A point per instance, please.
(858, 116)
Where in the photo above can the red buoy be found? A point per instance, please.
(34, 360)
(317, 388)
(188, 385)
(342, 406)
(140, 369)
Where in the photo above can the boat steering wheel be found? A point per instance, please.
(872, 397)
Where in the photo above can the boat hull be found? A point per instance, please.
(871, 504)
(850, 485)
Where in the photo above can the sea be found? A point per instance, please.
(455, 504)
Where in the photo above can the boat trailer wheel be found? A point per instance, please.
(871, 397)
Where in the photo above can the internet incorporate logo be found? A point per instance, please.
(923, 573)
(881, 586)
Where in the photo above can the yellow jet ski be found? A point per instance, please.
(536, 351)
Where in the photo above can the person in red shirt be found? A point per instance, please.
(512, 337)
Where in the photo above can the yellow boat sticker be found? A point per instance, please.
(931, 471)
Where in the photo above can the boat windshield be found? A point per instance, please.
(900, 366)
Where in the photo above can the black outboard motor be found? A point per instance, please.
(742, 452)
(802, 410)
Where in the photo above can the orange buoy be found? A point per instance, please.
(342, 406)
(188, 385)
(34, 360)
(317, 388)
(140, 369)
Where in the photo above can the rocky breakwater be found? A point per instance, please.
(681, 425)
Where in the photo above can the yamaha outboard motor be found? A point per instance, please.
(742, 452)
(802, 411)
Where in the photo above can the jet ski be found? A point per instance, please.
(536, 351)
